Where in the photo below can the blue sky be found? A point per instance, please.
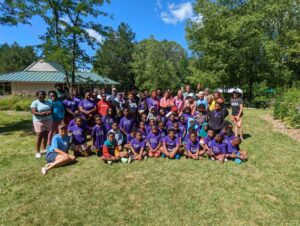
(165, 19)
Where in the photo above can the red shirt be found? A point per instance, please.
(102, 107)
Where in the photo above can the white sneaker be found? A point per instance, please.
(129, 159)
(145, 158)
(109, 162)
(48, 164)
(44, 170)
(38, 155)
(212, 158)
(225, 160)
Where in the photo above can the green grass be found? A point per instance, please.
(265, 190)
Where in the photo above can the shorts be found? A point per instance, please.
(50, 157)
(79, 147)
(42, 126)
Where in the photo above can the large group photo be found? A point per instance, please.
(157, 112)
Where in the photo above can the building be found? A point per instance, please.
(42, 75)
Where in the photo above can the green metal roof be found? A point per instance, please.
(53, 77)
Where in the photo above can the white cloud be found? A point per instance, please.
(178, 13)
(158, 5)
(93, 34)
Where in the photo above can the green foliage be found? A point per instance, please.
(15, 58)
(242, 43)
(114, 57)
(15, 102)
(287, 107)
(159, 64)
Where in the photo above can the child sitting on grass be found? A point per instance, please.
(142, 129)
(217, 149)
(154, 143)
(208, 139)
(78, 140)
(170, 147)
(193, 148)
(234, 152)
(118, 134)
(98, 135)
(111, 152)
(130, 137)
(137, 148)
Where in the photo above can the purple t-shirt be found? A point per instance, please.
(154, 140)
(170, 124)
(78, 134)
(129, 138)
(187, 117)
(87, 105)
(148, 129)
(227, 138)
(144, 133)
(218, 148)
(162, 118)
(108, 121)
(152, 103)
(72, 104)
(99, 135)
(192, 146)
(137, 145)
(231, 149)
(126, 124)
(208, 141)
(171, 143)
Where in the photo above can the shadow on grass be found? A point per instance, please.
(24, 126)
(246, 136)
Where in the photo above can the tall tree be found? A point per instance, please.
(69, 24)
(159, 64)
(15, 58)
(114, 57)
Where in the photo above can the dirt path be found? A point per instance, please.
(281, 127)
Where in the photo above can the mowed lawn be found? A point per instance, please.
(265, 190)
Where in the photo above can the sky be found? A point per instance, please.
(164, 19)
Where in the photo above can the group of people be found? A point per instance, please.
(136, 125)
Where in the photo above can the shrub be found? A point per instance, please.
(287, 107)
(15, 102)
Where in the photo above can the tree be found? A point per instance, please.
(15, 58)
(241, 43)
(114, 57)
(159, 64)
(69, 24)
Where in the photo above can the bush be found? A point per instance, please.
(15, 102)
(287, 107)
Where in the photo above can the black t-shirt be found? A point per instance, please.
(235, 105)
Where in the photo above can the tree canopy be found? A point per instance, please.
(159, 64)
(114, 57)
(15, 58)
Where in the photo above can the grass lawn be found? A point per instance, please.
(265, 190)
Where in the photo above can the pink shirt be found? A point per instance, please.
(179, 103)
(166, 102)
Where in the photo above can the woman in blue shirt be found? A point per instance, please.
(57, 154)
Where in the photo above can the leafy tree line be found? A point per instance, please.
(243, 43)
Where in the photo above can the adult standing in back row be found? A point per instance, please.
(237, 113)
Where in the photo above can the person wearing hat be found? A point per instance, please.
(237, 113)
(57, 154)
(61, 93)
(188, 91)
(201, 99)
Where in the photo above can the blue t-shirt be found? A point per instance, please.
(58, 113)
(204, 102)
(41, 107)
(59, 142)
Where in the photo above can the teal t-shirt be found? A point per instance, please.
(59, 142)
(41, 107)
(58, 110)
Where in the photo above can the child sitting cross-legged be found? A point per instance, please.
(154, 142)
(170, 147)
(137, 148)
(193, 148)
(217, 149)
(111, 152)
(78, 139)
(234, 152)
